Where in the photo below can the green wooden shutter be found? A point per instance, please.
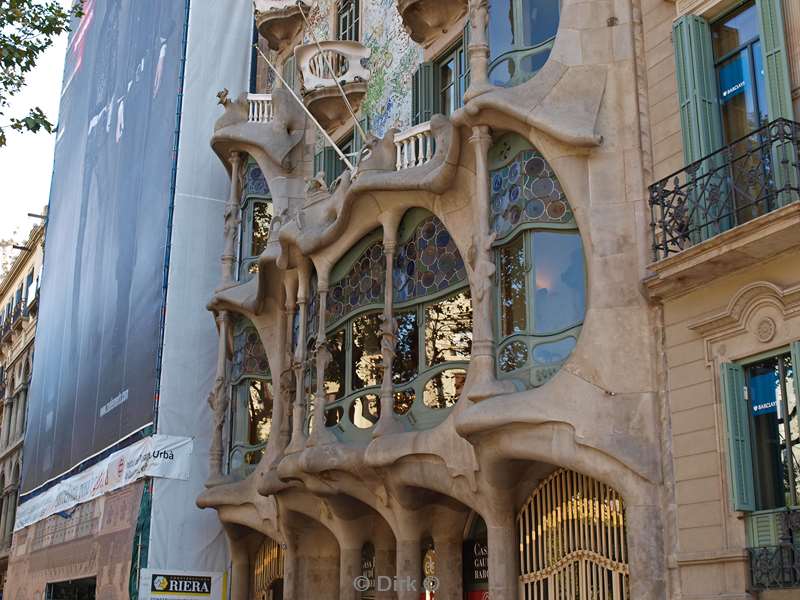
(422, 94)
(465, 46)
(776, 66)
(737, 421)
(697, 89)
(326, 160)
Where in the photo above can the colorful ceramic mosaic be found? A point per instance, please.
(363, 284)
(428, 263)
(254, 183)
(249, 357)
(526, 191)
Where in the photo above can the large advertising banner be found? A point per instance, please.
(98, 336)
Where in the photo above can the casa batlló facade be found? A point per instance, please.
(530, 333)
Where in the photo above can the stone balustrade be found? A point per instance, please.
(259, 108)
(415, 146)
(344, 57)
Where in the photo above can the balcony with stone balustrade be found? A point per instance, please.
(279, 21)
(427, 20)
(322, 67)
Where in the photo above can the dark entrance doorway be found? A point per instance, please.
(76, 589)
(475, 559)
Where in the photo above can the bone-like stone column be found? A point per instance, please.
(298, 441)
(502, 559)
(478, 49)
(386, 422)
(290, 570)
(320, 433)
(233, 219)
(482, 270)
(219, 400)
(240, 567)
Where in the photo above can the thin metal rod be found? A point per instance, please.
(356, 124)
(341, 154)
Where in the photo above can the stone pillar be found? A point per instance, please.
(290, 570)
(478, 49)
(502, 558)
(5, 424)
(219, 400)
(233, 219)
(448, 568)
(23, 401)
(3, 518)
(349, 570)
(240, 566)
(482, 271)
(298, 441)
(409, 569)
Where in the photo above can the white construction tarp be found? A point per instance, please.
(160, 456)
(218, 56)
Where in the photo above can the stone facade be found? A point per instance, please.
(19, 290)
(624, 432)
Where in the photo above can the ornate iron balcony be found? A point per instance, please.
(778, 567)
(748, 178)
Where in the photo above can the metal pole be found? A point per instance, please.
(305, 109)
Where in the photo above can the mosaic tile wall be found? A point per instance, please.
(394, 59)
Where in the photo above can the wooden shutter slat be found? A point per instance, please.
(737, 418)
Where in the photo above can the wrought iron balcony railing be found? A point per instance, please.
(748, 178)
(778, 566)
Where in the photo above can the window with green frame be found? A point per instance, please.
(256, 206)
(541, 273)
(328, 161)
(347, 20)
(438, 87)
(521, 36)
(432, 309)
(732, 75)
(252, 400)
(760, 397)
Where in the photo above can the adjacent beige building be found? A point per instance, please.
(19, 303)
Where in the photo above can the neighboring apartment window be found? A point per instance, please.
(251, 418)
(347, 20)
(257, 213)
(521, 36)
(541, 276)
(761, 408)
(732, 74)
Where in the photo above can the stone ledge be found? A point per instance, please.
(743, 246)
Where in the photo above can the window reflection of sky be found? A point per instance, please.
(560, 284)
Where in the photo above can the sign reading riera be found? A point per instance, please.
(159, 584)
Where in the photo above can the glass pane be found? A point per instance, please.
(407, 348)
(552, 353)
(768, 455)
(367, 358)
(539, 21)
(560, 296)
(513, 305)
(533, 62)
(259, 411)
(501, 27)
(737, 95)
(734, 30)
(447, 76)
(761, 84)
(365, 411)
(262, 217)
(444, 389)
(513, 356)
(501, 73)
(448, 329)
(335, 369)
(403, 401)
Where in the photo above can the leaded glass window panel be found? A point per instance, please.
(541, 270)
(363, 284)
(427, 262)
(335, 369)
(406, 348)
(257, 213)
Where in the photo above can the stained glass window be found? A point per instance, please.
(254, 183)
(362, 285)
(249, 357)
(257, 213)
(540, 263)
(448, 329)
(427, 263)
(366, 350)
(406, 348)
